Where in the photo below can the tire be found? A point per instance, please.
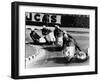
(69, 53)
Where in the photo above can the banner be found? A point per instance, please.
(43, 17)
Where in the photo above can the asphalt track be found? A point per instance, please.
(47, 56)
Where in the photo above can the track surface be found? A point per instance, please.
(46, 56)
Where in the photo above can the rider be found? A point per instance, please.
(71, 48)
(58, 33)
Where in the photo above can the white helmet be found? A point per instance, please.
(57, 26)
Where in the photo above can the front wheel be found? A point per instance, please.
(68, 53)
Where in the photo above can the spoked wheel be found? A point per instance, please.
(69, 53)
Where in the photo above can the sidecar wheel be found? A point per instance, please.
(81, 56)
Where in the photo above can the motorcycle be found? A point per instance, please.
(71, 50)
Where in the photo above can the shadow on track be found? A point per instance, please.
(63, 60)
